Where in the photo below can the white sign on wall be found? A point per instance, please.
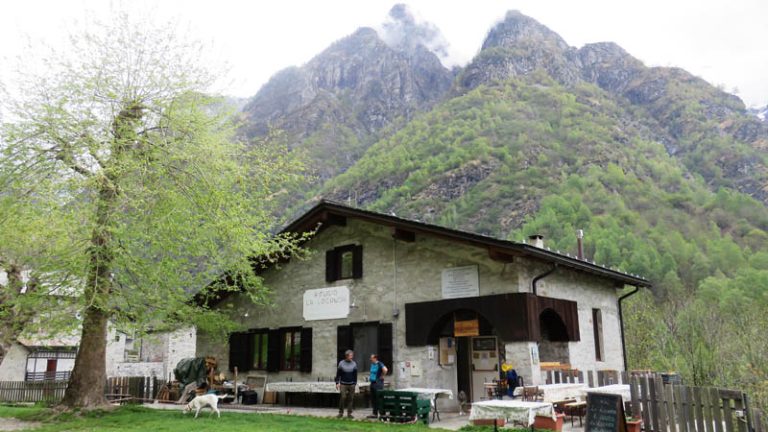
(326, 303)
(460, 282)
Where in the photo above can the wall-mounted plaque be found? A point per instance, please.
(466, 328)
(484, 344)
(326, 303)
(458, 282)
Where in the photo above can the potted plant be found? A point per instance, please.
(633, 424)
(545, 422)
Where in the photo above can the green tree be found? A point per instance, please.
(118, 131)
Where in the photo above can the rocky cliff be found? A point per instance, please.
(343, 99)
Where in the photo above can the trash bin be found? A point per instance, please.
(249, 397)
(671, 378)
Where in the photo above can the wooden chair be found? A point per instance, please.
(559, 406)
(576, 409)
(532, 394)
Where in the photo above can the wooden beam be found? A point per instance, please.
(498, 255)
(333, 219)
(403, 235)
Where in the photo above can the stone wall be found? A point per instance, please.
(160, 353)
(14, 365)
(396, 273)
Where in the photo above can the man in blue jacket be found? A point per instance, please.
(378, 370)
(346, 381)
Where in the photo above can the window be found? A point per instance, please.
(345, 265)
(344, 262)
(365, 339)
(260, 347)
(272, 350)
(597, 325)
(291, 352)
(52, 365)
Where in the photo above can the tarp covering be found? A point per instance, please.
(191, 370)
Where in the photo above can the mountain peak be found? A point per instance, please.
(518, 27)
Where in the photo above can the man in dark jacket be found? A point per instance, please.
(378, 370)
(346, 381)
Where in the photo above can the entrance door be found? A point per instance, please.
(463, 368)
(50, 369)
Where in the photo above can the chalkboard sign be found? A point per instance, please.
(605, 413)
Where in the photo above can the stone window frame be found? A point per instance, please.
(597, 328)
(259, 336)
(295, 350)
(334, 263)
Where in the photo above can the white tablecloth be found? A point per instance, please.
(307, 387)
(557, 392)
(428, 393)
(516, 412)
(617, 389)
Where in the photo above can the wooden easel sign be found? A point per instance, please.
(605, 413)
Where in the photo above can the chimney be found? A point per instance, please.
(537, 240)
(580, 244)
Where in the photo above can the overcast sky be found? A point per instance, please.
(724, 42)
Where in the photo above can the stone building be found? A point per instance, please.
(36, 358)
(443, 308)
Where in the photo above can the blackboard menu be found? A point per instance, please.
(605, 413)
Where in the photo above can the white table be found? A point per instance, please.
(615, 389)
(432, 395)
(308, 387)
(556, 392)
(521, 413)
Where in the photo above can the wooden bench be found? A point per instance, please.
(575, 409)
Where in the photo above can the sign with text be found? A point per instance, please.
(605, 413)
(326, 303)
(460, 282)
(466, 328)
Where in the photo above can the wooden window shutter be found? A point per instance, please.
(274, 341)
(240, 351)
(343, 341)
(331, 267)
(385, 345)
(357, 262)
(306, 350)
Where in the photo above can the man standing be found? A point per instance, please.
(346, 381)
(378, 370)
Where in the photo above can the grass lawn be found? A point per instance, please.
(146, 419)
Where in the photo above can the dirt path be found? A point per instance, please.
(11, 424)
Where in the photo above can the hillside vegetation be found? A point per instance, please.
(665, 173)
(529, 155)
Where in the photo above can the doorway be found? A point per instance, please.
(463, 368)
(50, 369)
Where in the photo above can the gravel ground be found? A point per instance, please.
(11, 424)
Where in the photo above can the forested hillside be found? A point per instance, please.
(664, 172)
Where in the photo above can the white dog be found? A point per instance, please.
(203, 401)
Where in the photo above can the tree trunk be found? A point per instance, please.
(89, 376)
(86, 385)
(12, 320)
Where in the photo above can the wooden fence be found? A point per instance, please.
(34, 391)
(679, 408)
(118, 389)
(133, 389)
(591, 378)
